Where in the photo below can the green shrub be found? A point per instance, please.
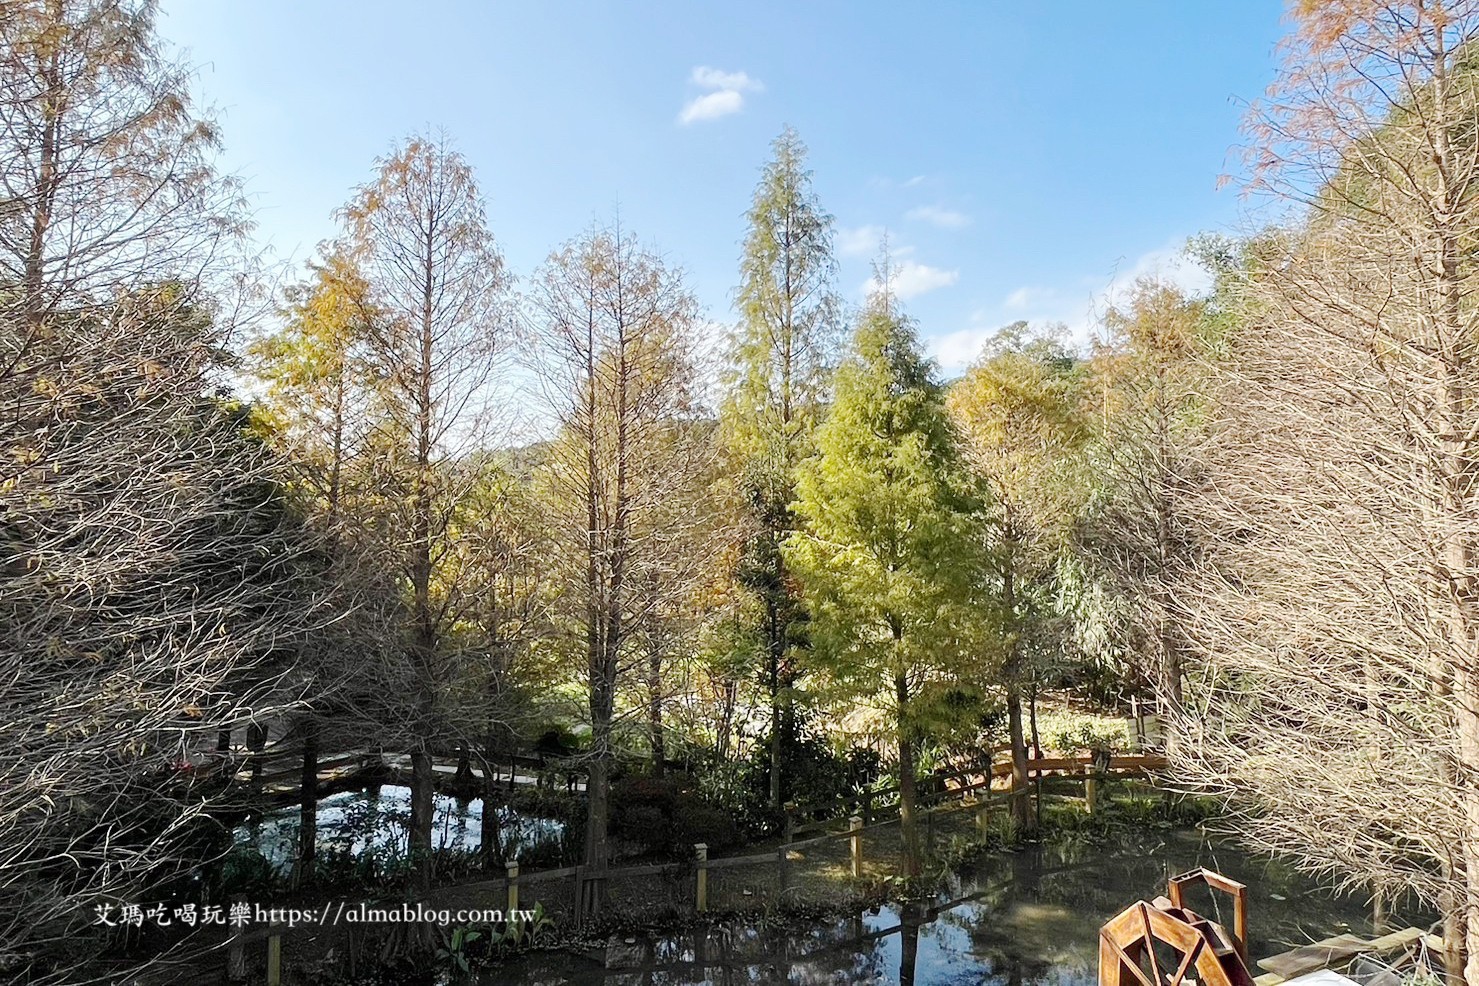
(1072, 733)
(668, 815)
(245, 871)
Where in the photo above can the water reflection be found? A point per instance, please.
(1030, 917)
(375, 820)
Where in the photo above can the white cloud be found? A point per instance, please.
(958, 350)
(910, 279)
(955, 351)
(727, 97)
(1078, 306)
(713, 78)
(858, 241)
(1022, 297)
(884, 182)
(939, 216)
(712, 106)
(1168, 264)
(914, 279)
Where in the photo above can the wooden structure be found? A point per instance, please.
(1411, 945)
(1165, 943)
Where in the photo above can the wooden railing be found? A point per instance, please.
(803, 816)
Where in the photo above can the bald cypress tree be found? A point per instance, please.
(889, 549)
(782, 354)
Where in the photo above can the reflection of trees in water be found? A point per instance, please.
(909, 947)
(1087, 884)
(1032, 920)
(823, 954)
(826, 952)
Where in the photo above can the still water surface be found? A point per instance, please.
(1019, 919)
(376, 820)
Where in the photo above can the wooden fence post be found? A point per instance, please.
(855, 825)
(235, 961)
(513, 889)
(274, 959)
(982, 810)
(701, 892)
(784, 856)
(236, 965)
(1091, 789)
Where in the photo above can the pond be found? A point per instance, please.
(1030, 917)
(374, 821)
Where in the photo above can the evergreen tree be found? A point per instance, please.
(1020, 412)
(783, 351)
(889, 550)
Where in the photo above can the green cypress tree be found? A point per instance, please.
(782, 352)
(890, 548)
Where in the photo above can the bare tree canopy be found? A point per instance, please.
(616, 354)
(105, 167)
(153, 590)
(1336, 616)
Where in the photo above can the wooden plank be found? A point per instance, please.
(1396, 940)
(650, 870)
(534, 876)
(719, 864)
(1320, 955)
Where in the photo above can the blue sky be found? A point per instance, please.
(1024, 157)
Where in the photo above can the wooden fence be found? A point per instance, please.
(852, 852)
(974, 779)
(963, 794)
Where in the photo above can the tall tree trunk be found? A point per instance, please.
(48, 179)
(1022, 816)
(490, 832)
(491, 837)
(463, 779)
(1168, 683)
(654, 709)
(725, 724)
(598, 780)
(908, 797)
(1460, 926)
(308, 808)
(597, 849)
(908, 946)
(775, 644)
(1036, 755)
(256, 741)
(422, 800)
(1032, 721)
(1459, 468)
